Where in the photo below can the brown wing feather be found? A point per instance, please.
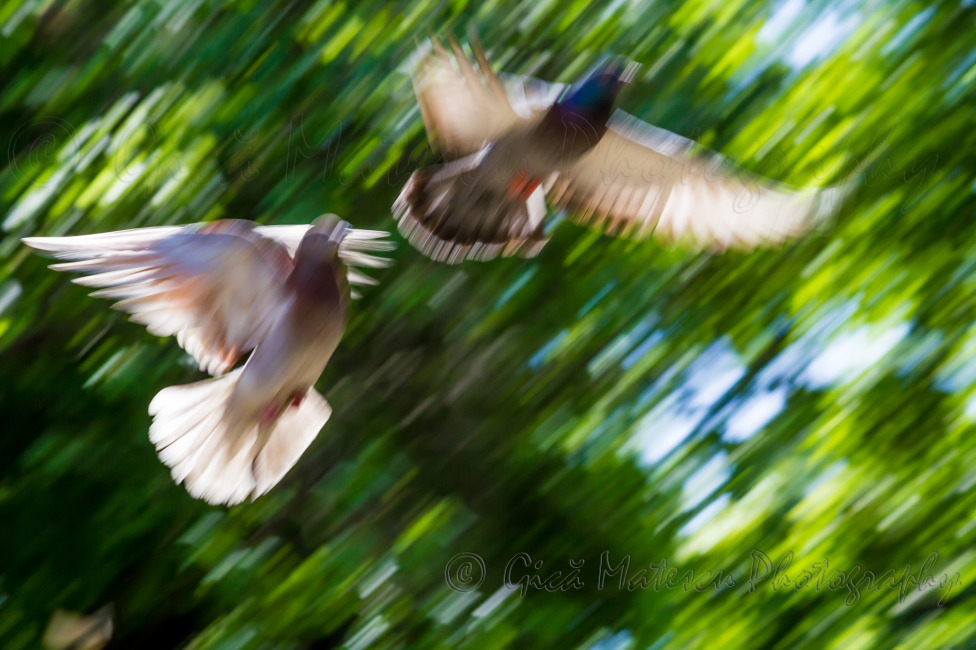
(465, 105)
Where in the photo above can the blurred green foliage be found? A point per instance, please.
(607, 396)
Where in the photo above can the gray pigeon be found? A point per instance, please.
(226, 288)
(513, 145)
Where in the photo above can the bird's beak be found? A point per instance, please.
(631, 68)
(339, 232)
(333, 226)
(622, 68)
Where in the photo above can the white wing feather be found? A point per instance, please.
(641, 179)
(217, 287)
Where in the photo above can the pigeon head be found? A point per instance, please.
(318, 269)
(597, 92)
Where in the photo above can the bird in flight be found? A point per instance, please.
(516, 143)
(224, 289)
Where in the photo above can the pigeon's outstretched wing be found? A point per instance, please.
(219, 287)
(216, 286)
(641, 179)
(465, 105)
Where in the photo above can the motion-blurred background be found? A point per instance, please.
(607, 396)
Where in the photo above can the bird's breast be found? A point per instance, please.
(294, 353)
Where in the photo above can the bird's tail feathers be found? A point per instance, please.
(450, 219)
(223, 456)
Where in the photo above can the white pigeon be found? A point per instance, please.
(225, 288)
